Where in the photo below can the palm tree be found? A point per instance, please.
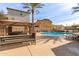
(75, 9)
(32, 8)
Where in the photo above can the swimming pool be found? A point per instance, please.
(56, 34)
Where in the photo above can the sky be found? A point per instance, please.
(58, 13)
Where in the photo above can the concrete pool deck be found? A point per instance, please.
(44, 47)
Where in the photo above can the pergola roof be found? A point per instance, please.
(13, 22)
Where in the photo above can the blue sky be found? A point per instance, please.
(58, 13)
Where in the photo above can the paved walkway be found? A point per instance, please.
(44, 47)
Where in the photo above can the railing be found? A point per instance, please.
(15, 38)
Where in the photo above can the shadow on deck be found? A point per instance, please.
(48, 38)
(13, 45)
(70, 49)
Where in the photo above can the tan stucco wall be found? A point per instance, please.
(17, 28)
(16, 15)
(44, 26)
(24, 29)
(3, 30)
(18, 18)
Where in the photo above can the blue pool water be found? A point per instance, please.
(56, 34)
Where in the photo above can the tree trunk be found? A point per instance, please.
(32, 16)
(32, 29)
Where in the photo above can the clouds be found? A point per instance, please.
(70, 19)
(70, 22)
(63, 15)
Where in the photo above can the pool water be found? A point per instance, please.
(56, 34)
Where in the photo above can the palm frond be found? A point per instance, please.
(40, 6)
(26, 4)
(37, 11)
(76, 11)
(25, 7)
(75, 7)
(29, 11)
(34, 5)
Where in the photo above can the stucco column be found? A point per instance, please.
(26, 29)
(5, 30)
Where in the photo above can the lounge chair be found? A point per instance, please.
(74, 37)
